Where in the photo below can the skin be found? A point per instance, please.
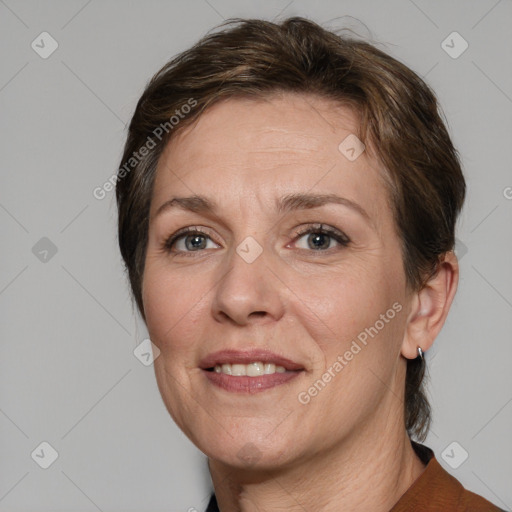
(347, 449)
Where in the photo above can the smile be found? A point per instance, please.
(248, 371)
(255, 369)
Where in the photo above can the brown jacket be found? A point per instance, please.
(435, 490)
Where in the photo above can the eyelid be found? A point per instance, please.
(331, 231)
(171, 240)
(342, 241)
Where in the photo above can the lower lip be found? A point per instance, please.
(246, 384)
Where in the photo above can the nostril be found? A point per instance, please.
(258, 313)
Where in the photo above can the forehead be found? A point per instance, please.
(292, 123)
(281, 144)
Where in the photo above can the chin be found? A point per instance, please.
(251, 454)
(249, 457)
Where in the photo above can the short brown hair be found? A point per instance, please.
(399, 121)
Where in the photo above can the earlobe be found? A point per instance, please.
(430, 307)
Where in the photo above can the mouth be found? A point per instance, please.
(249, 371)
(254, 369)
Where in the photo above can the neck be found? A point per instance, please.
(368, 471)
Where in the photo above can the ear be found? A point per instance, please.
(429, 308)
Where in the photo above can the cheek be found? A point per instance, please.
(340, 305)
(173, 304)
(352, 343)
(356, 348)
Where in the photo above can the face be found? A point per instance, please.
(291, 258)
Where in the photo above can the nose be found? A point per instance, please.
(248, 292)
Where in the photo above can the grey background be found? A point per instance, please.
(67, 370)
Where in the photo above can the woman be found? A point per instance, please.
(287, 204)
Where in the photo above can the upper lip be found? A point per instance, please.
(247, 357)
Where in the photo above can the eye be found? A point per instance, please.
(321, 238)
(318, 238)
(191, 239)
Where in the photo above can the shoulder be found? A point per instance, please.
(436, 489)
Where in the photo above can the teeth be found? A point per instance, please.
(237, 370)
(269, 368)
(255, 369)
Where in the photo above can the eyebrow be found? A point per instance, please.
(285, 204)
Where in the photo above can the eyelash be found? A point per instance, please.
(334, 233)
(337, 235)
